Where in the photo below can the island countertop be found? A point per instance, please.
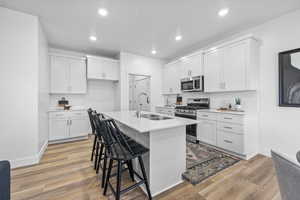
(142, 125)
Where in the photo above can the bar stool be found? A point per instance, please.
(123, 152)
(90, 111)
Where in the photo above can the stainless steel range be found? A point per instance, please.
(190, 111)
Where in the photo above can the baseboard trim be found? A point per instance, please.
(30, 160)
(42, 151)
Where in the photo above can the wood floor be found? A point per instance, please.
(66, 172)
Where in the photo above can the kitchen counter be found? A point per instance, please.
(129, 119)
(220, 111)
(60, 109)
(166, 140)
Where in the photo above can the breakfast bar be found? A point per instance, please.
(165, 137)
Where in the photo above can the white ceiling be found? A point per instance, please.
(138, 25)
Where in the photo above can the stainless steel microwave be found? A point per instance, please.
(192, 84)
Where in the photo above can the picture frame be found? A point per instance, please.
(289, 78)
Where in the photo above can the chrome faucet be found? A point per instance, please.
(138, 112)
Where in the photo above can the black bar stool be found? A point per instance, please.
(123, 151)
(90, 111)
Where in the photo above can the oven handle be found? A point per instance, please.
(186, 116)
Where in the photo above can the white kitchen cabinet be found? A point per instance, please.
(102, 68)
(192, 65)
(207, 131)
(232, 66)
(66, 125)
(171, 78)
(213, 71)
(58, 129)
(78, 127)
(68, 75)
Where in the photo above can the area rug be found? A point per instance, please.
(203, 161)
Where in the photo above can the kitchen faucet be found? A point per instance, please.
(138, 112)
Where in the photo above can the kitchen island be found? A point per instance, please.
(165, 137)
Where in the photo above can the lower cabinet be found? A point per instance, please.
(222, 130)
(67, 125)
(207, 131)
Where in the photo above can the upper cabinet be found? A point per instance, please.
(191, 65)
(103, 68)
(171, 77)
(68, 75)
(232, 66)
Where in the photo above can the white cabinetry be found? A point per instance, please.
(235, 133)
(192, 65)
(207, 131)
(66, 125)
(171, 78)
(232, 66)
(102, 68)
(68, 75)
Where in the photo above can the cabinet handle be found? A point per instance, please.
(67, 122)
(227, 118)
(227, 127)
(70, 122)
(204, 115)
(228, 141)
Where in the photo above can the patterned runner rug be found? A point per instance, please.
(203, 161)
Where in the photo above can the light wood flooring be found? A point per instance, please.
(65, 172)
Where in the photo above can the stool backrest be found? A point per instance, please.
(90, 111)
(4, 180)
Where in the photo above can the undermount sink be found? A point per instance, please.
(155, 117)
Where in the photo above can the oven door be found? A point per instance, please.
(198, 84)
(187, 85)
(191, 130)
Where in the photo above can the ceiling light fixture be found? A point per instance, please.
(178, 37)
(93, 38)
(223, 12)
(103, 12)
(153, 51)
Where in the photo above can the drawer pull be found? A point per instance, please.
(227, 127)
(228, 141)
(227, 118)
(57, 115)
(204, 115)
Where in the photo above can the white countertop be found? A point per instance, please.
(220, 111)
(129, 119)
(61, 109)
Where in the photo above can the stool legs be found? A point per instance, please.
(96, 155)
(119, 178)
(94, 147)
(104, 170)
(145, 176)
(130, 167)
(100, 158)
(108, 176)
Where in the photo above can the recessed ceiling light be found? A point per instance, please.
(178, 37)
(153, 51)
(103, 12)
(93, 38)
(223, 12)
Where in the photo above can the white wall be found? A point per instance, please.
(44, 85)
(141, 65)
(18, 86)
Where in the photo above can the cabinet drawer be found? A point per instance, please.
(78, 114)
(236, 128)
(230, 141)
(207, 115)
(58, 115)
(230, 118)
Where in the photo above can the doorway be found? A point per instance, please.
(139, 92)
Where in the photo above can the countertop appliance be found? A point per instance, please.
(190, 111)
(192, 84)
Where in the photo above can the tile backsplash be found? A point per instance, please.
(249, 99)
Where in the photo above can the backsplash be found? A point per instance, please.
(249, 99)
(100, 96)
